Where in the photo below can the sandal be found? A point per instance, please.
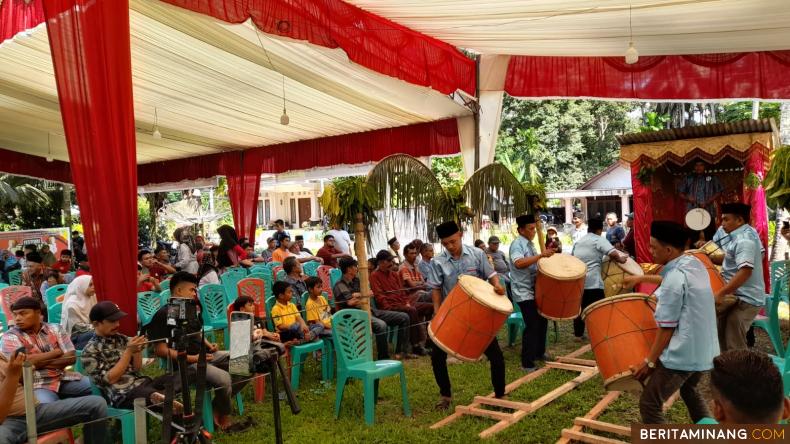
(443, 404)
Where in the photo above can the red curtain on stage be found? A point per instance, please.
(643, 215)
(244, 185)
(756, 198)
(676, 77)
(19, 15)
(34, 166)
(89, 40)
(369, 40)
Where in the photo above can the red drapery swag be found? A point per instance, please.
(34, 166)
(369, 40)
(89, 41)
(244, 185)
(19, 15)
(676, 77)
(643, 215)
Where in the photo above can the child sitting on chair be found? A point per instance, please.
(318, 313)
(747, 388)
(287, 320)
(247, 305)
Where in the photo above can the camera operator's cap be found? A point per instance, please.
(106, 311)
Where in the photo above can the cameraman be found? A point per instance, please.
(184, 285)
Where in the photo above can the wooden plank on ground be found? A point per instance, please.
(571, 367)
(580, 351)
(577, 361)
(476, 411)
(594, 412)
(515, 405)
(603, 426)
(668, 405)
(589, 438)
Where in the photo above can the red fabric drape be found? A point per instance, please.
(643, 215)
(369, 40)
(422, 139)
(675, 77)
(244, 185)
(34, 166)
(756, 198)
(89, 41)
(18, 15)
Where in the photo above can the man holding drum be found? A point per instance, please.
(591, 249)
(743, 270)
(459, 259)
(525, 258)
(685, 344)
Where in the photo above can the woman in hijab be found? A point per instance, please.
(208, 273)
(80, 297)
(230, 252)
(186, 259)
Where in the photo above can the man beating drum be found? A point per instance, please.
(591, 249)
(459, 259)
(743, 270)
(524, 259)
(686, 342)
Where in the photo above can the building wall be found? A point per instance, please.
(280, 206)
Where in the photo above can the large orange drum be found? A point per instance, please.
(613, 272)
(622, 329)
(559, 286)
(469, 319)
(716, 281)
(648, 287)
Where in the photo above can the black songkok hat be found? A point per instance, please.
(34, 257)
(392, 241)
(525, 219)
(447, 229)
(669, 232)
(738, 208)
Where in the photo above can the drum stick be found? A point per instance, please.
(541, 237)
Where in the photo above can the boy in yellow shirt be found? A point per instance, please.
(287, 320)
(318, 313)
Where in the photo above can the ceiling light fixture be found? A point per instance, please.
(284, 119)
(49, 149)
(156, 134)
(631, 54)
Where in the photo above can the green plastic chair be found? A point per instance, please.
(354, 349)
(229, 279)
(213, 302)
(515, 323)
(164, 296)
(769, 321)
(148, 303)
(15, 277)
(392, 330)
(334, 276)
(274, 264)
(299, 352)
(259, 268)
(54, 313)
(165, 284)
(281, 275)
(53, 293)
(3, 285)
(329, 368)
(310, 268)
(126, 417)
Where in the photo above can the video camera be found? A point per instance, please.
(183, 314)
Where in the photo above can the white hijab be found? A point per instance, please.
(76, 304)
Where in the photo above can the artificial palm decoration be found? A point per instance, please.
(21, 192)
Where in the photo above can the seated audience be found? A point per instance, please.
(184, 285)
(347, 294)
(52, 278)
(208, 272)
(47, 257)
(50, 416)
(299, 240)
(426, 254)
(64, 264)
(317, 310)
(49, 348)
(328, 253)
(146, 282)
(250, 250)
(34, 275)
(162, 260)
(78, 300)
(295, 278)
(410, 275)
(479, 243)
(186, 255)
(83, 268)
(20, 257)
(283, 250)
(230, 253)
(271, 245)
(247, 305)
(285, 316)
(301, 255)
(153, 267)
(747, 388)
(390, 295)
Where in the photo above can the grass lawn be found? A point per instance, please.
(316, 421)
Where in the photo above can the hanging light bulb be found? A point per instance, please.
(631, 54)
(49, 149)
(156, 134)
(284, 119)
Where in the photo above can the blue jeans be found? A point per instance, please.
(68, 389)
(319, 330)
(60, 414)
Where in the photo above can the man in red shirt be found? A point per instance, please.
(153, 267)
(329, 253)
(410, 275)
(390, 295)
(64, 265)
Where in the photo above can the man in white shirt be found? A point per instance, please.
(579, 227)
(342, 239)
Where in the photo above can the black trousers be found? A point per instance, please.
(590, 296)
(495, 357)
(148, 389)
(533, 341)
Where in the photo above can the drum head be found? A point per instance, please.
(631, 267)
(483, 292)
(623, 382)
(698, 219)
(562, 267)
(612, 300)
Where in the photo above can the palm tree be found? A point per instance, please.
(21, 192)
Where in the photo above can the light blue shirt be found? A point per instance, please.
(522, 280)
(445, 269)
(425, 268)
(591, 249)
(685, 302)
(745, 250)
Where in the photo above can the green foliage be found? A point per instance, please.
(29, 203)
(516, 152)
(654, 121)
(346, 197)
(567, 141)
(777, 180)
(449, 171)
(730, 112)
(493, 187)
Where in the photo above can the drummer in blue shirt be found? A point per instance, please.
(455, 260)
(686, 342)
(742, 269)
